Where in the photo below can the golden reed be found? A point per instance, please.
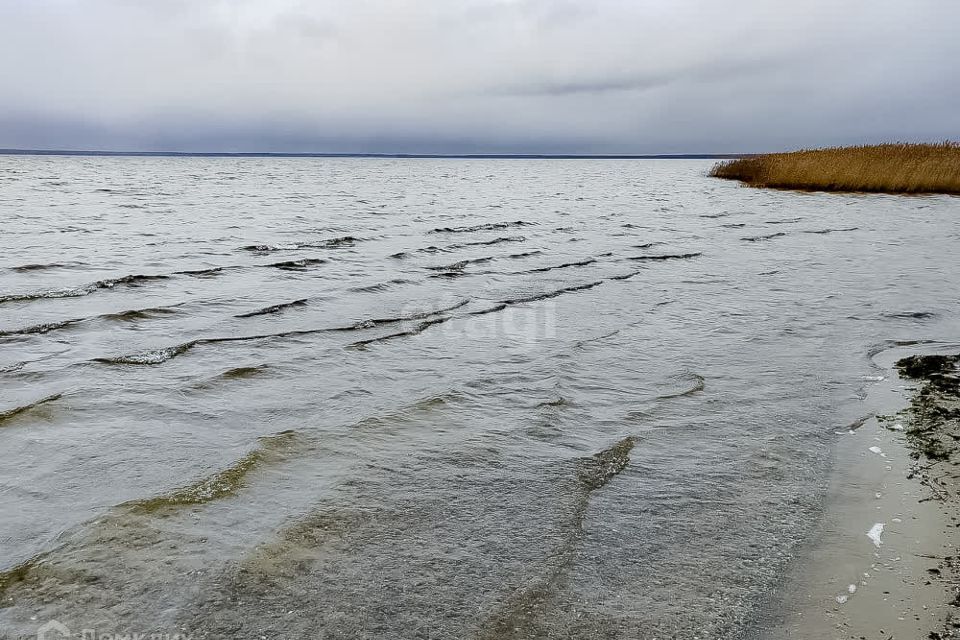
(882, 168)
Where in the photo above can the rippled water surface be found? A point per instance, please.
(358, 398)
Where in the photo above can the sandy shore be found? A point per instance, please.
(885, 562)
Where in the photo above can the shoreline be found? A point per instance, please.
(884, 562)
(107, 153)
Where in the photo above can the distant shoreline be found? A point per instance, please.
(438, 156)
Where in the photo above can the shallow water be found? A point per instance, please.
(432, 398)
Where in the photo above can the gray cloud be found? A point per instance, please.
(588, 76)
(586, 86)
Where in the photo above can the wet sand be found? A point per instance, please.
(855, 579)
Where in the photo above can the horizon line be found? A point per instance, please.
(307, 154)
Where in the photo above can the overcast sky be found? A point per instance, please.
(462, 76)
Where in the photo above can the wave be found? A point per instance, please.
(223, 483)
(53, 293)
(420, 315)
(41, 328)
(459, 266)
(159, 356)
(671, 256)
(132, 280)
(483, 227)
(147, 313)
(582, 343)
(625, 276)
(156, 356)
(494, 309)
(734, 225)
(297, 265)
(722, 214)
(26, 268)
(559, 401)
(825, 231)
(432, 249)
(766, 237)
(332, 243)
(370, 288)
(790, 221)
(552, 294)
(698, 385)
(418, 329)
(403, 413)
(382, 286)
(342, 241)
(426, 317)
(647, 245)
(240, 373)
(503, 304)
(565, 265)
(82, 290)
(887, 345)
(137, 279)
(122, 316)
(455, 269)
(264, 248)
(485, 243)
(236, 373)
(910, 315)
(205, 272)
(276, 308)
(16, 411)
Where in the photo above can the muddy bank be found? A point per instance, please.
(932, 427)
(934, 419)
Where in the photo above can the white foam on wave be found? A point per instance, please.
(874, 534)
(156, 356)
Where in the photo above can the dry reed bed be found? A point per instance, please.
(884, 168)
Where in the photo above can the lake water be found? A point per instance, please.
(369, 398)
